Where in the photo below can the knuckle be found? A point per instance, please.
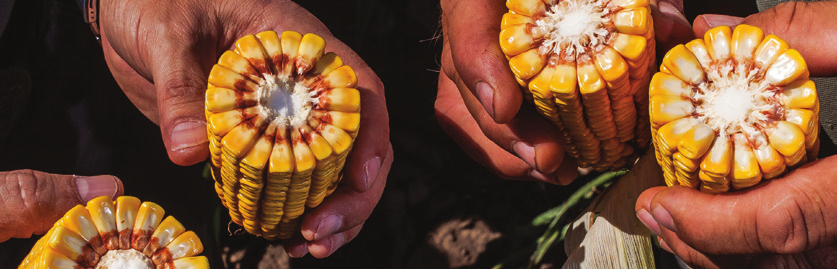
(23, 192)
(785, 16)
(182, 89)
(782, 228)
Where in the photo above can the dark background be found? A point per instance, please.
(61, 112)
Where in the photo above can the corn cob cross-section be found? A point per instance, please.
(732, 109)
(283, 116)
(585, 65)
(121, 234)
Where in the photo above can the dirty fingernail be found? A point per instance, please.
(663, 218)
(525, 152)
(717, 20)
(370, 170)
(328, 226)
(648, 221)
(486, 96)
(95, 186)
(188, 134)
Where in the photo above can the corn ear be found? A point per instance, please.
(75, 241)
(283, 115)
(732, 109)
(586, 66)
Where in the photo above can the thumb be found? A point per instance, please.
(472, 29)
(786, 215)
(804, 25)
(32, 201)
(180, 81)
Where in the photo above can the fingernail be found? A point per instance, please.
(370, 170)
(717, 20)
(328, 226)
(298, 251)
(95, 186)
(540, 176)
(525, 152)
(671, 12)
(326, 247)
(337, 241)
(486, 95)
(188, 134)
(663, 218)
(663, 245)
(648, 221)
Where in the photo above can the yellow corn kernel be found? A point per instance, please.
(682, 63)
(515, 40)
(632, 21)
(311, 48)
(525, 7)
(717, 42)
(770, 48)
(787, 68)
(745, 39)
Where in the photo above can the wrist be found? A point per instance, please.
(90, 9)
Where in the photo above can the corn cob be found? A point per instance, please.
(121, 234)
(282, 118)
(732, 109)
(586, 65)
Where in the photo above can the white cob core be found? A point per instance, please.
(736, 100)
(124, 259)
(286, 99)
(572, 26)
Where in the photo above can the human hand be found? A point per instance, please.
(782, 223)
(33, 201)
(161, 52)
(479, 101)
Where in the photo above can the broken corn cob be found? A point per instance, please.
(121, 234)
(283, 116)
(586, 66)
(732, 109)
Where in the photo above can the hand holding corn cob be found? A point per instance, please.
(482, 115)
(785, 222)
(162, 56)
(499, 132)
(32, 201)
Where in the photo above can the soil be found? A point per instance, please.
(440, 209)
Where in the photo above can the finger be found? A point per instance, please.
(670, 24)
(179, 69)
(138, 89)
(454, 118)
(32, 201)
(472, 29)
(669, 241)
(325, 247)
(345, 208)
(296, 246)
(785, 215)
(801, 24)
(538, 147)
